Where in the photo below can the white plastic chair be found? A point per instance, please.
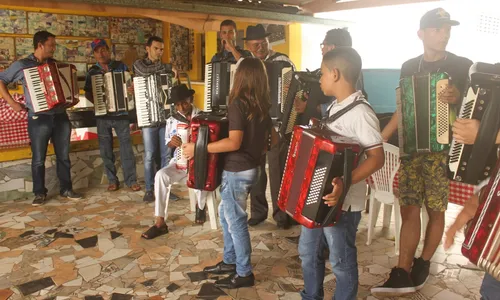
(381, 185)
(211, 204)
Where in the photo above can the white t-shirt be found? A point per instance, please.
(360, 124)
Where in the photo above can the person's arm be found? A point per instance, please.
(12, 74)
(465, 131)
(390, 128)
(463, 217)
(229, 144)
(88, 88)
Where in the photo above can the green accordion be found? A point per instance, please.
(424, 121)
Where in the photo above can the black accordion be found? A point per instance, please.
(302, 83)
(110, 92)
(473, 163)
(279, 74)
(218, 83)
(151, 95)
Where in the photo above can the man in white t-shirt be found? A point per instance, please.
(340, 71)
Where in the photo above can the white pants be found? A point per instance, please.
(164, 178)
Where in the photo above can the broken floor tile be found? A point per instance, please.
(27, 233)
(34, 286)
(149, 282)
(115, 234)
(64, 235)
(88, 242)
(116, 296)
(173, 287)
(210, 291)
(97, 297)
(197, 276)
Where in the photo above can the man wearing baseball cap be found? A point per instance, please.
(119, 121)
(422, 177)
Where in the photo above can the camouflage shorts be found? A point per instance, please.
(423, 178)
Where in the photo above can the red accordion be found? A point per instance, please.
(51, 85)
(315, 157)
(482, 241)
(205, 169)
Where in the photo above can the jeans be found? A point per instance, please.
(234, 192)
(258, 202)
(105, 135)
(341, 240)
(154, 148)
(490, 288)
(41, 128)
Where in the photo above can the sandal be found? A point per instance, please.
(113, 187)
(201, 215)
(154, 232)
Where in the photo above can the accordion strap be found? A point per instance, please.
(359, 100)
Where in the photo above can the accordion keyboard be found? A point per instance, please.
(208, 89)
(36, 89)
(98, 93)
(142, 103)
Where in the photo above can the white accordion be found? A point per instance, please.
(110, 92)
(183, 133)
(151, 93)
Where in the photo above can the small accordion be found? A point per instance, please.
(205, 169)
(279, 74)
(315, 157)
(301, 83)
(183, 133)
(425, 121)
(51, 85)
(218, 84)
(110, 92)
(473, 163)
(482, 240)
(151, 94)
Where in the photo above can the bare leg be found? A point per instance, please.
(410, 235)
(434, 233)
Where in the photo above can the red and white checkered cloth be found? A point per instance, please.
(14, 133)
(459, 192)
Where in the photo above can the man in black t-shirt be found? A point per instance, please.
(422, 177)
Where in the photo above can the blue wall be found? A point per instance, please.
(380, 85)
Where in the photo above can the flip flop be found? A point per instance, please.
(154, 232)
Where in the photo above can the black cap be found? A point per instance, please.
(257, 32)
(179, 93)
(436, 18)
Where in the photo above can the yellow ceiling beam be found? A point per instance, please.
(319, 6)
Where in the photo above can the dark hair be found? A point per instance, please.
(228, 23)
(346, 60)
(154, 39)
(41, 37)
(338, 37)
(251, 86)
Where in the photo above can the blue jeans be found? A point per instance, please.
(341, 241)
(41, 128)
(105, 135)
(234, 192)
(490, 288)
(155, 153)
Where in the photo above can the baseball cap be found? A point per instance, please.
(98, 43)
(436, 18)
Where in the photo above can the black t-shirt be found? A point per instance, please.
(456, 66)
(255, 138)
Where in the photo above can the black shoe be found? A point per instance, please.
(71, 195)
(39, 200)
(234, 281)
(148, 197)
(399, 283)
(420, 272)
(284, 225)
(221, 268)
(254, 222)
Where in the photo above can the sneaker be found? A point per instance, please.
(398, 284)
(420, 272)
(71, 195)
(148, 197)
(173, 197)
(39, 200)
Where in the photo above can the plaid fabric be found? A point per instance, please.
(14, 133)
(7, 114)
(459, 192)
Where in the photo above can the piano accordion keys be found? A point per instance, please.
(482, 240)
(279, 74)
(205, 169)
(51, 85)
(473, 163)
(111, 90)
(218, 84)
(426, 119)
(315, 157)
(150, 94)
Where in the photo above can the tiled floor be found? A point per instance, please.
(91, 249)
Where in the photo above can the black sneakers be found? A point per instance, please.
(420, 272)
(69, 194)
(234, 281)
(148, 197)
(39, 200)
(399, 283)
